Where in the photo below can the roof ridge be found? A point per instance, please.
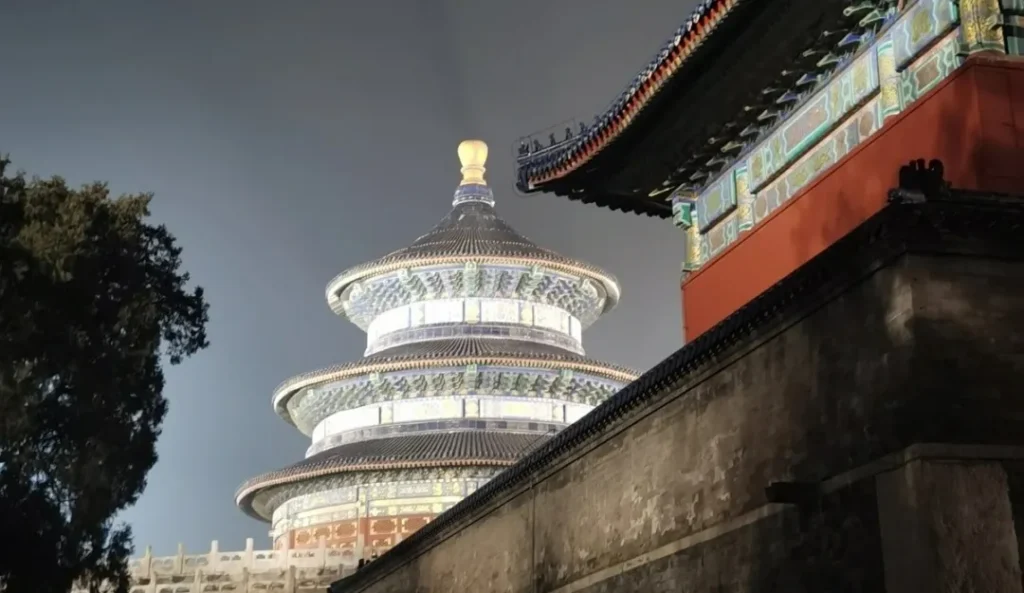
(607, 126)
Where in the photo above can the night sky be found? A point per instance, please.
(287, 141)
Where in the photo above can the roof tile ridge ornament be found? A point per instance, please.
(473, 187)
(607, 126)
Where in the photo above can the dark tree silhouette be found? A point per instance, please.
(91, 303)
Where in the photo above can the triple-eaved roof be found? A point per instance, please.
(733, 70)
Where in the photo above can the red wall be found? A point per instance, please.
(973, 122)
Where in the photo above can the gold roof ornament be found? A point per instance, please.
(473, 156)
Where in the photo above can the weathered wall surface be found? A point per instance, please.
(927, 349)
(948, 526)
(494, 554)
(780, 552)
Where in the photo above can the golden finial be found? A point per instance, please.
(473, 155)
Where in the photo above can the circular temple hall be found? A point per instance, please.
(474, 357)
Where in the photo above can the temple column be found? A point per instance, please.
(1013, 19)
(286, 549)
(947, 525)
(362, 523)
(744, 200)
(981, 26)
(684, 216)
(888, 80)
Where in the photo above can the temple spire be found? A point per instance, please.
(473, 156)
(473, 187)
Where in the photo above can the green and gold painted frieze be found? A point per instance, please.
(863, 123)
(917, 50)
(717, 201)
(922, 23)
(809, 124)
(930, 69)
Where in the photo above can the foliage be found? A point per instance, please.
(91, 302)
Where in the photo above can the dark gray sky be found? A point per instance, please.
(286, 141)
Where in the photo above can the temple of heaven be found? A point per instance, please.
(474, 356)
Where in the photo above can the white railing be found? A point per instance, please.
(246, 571)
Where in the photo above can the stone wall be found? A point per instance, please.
(919, 342)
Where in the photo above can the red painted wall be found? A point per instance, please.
(973, 122)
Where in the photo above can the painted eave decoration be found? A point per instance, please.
(702, 22)
(697, 124)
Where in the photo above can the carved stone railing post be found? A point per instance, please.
(146, 564)
(248, 552)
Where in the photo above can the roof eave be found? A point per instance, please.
(290, 388)
(575, 170)
(246, 494)
(574, 155)
(616, 203)
(337, 286)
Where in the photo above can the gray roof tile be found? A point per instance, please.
(419, 450)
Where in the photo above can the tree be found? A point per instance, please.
(92, 302)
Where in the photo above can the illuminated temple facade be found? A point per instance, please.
(474, 356)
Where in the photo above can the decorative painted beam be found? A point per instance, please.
(981, 26)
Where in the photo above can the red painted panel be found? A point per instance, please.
(377, 533)
(973, 122)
